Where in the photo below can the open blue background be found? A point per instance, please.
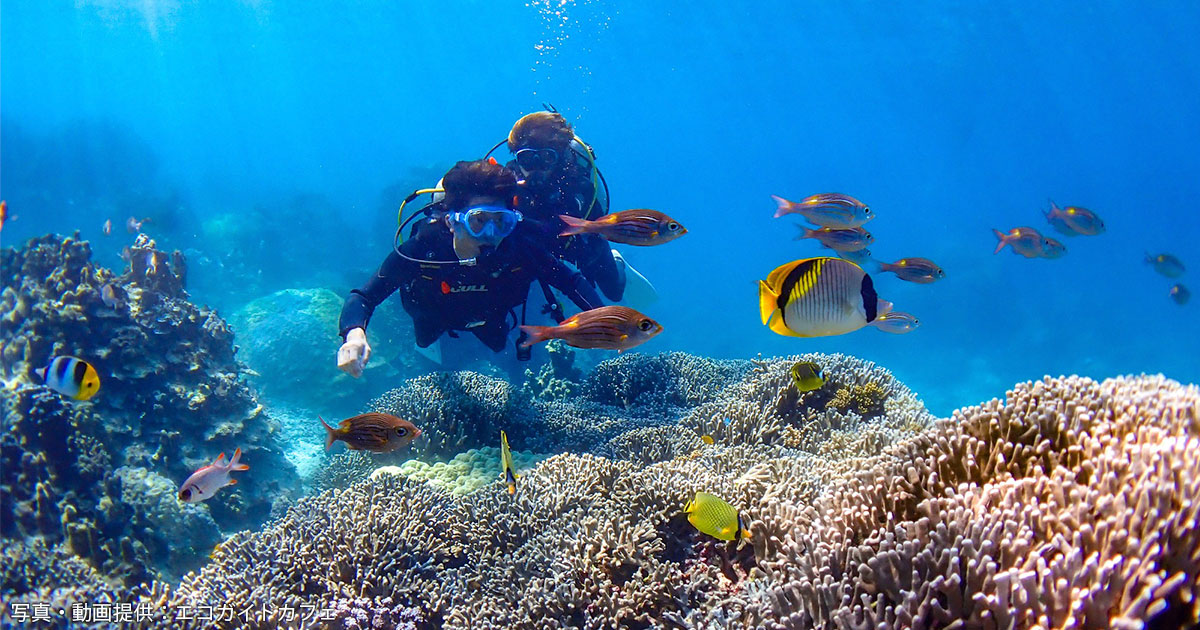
(948, 118)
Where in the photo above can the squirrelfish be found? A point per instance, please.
(1166, 264)
(1052, 248)
(838, 239)
(506, 463)
(819, 297)
(919, 270)
(71, 376)
(205, 482)
(833, 210)
(375, 432)
(807, 376)
(1025, 241)
(1180, 294)
(608, 327)
(1074, 220)
(629, 227)
(897, 323)
(712, 516)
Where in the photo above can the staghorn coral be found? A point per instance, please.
(170, 400)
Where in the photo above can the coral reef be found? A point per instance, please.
(1072, 503)
(557, 378)
(464, 474)
(99, 477)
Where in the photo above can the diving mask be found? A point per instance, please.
(532, 159)
(487, 224)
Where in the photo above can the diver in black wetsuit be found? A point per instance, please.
(556, 182)
(466, 266)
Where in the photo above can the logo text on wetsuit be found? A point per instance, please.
(469, 287)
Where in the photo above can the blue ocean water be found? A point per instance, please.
(949, 119)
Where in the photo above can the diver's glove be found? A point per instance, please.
(353, 355)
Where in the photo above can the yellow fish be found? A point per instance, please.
(714, 517)
(807, 376)
(71, 376)
(506, 462)
(707, 439)
(819, 297)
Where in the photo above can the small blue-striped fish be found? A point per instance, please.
(1166, 264)
(1052, 248)
(713, 516)
(506, 462)
(896, 322)
(919, 270)
(629, 227)
(1180, 294)
(1074, 220)
(838, 239)
(1024, 240)
(860, 257)
(833, 210)
(71, 376)
(608, 327)
(819, 297)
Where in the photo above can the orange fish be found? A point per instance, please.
(375, 432)
(3, 213)
(608, 327)
(1025, 241)
(628, 227)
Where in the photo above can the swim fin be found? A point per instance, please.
(639, 293)
(433, 351)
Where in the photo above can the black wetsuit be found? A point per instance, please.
(451, 297)
(544, 196)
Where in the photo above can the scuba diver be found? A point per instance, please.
(559, 176)
(466, 266)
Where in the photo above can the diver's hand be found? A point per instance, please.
(353, 354)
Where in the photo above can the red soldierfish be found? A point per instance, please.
(839, 239)
(833, 210)
(1074, 220)
(375, 432)
(608, 327)
(628, 227)
(1025, 241)
(204, 483)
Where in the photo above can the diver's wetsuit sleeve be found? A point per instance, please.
(361, 303)
(570, 282)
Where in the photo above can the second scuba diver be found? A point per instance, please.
(560, 177)
(465, 267)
